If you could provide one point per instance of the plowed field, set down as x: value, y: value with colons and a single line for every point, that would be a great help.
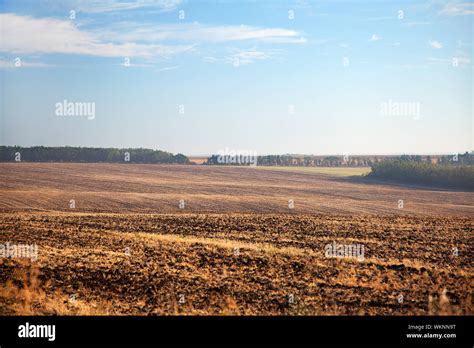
x: 126, y: 246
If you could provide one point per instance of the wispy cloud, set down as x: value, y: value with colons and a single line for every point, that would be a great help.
x: 166, y: 68
x: 101, y: 6
x: 435, y: 44
x: 455, y: 8
x: 130, y: 64
x: 244, y: 57
x: 238, y: 57
x: 10, y: 64
x: 463, y: 60
x: 199, y: 33
x: 28, y: 35
x: 210, y: 59
x: 459, y: 60
x: 375, y: 37
x: 414, y: 23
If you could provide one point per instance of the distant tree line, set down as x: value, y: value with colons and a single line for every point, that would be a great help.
x: 314, y: 161
x: 424, y: 173
x: 457, y: 159
x: 306, y: 161
x: 454, y: 159
x: 351, y: 161
x: 88, y: 154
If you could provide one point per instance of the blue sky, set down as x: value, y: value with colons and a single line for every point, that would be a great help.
x: 273, y: 77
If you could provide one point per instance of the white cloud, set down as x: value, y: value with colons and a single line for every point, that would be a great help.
x: 457, y: 60
x: 439, y: 60
x: 10, y: 64
x: 412, y: 24
x: 237, y: 57
x: 455, y: 8
x: 28, y: 35
x: 130, y: 64
x: 435, y: 44
x: 101, y: 6
x: 375, y: 37
x: 196, y: 32
x: 462, y: 60
x: 210, y: 59
x: 244, y: 57
x: 461, y: 57
x: 166, y: 68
